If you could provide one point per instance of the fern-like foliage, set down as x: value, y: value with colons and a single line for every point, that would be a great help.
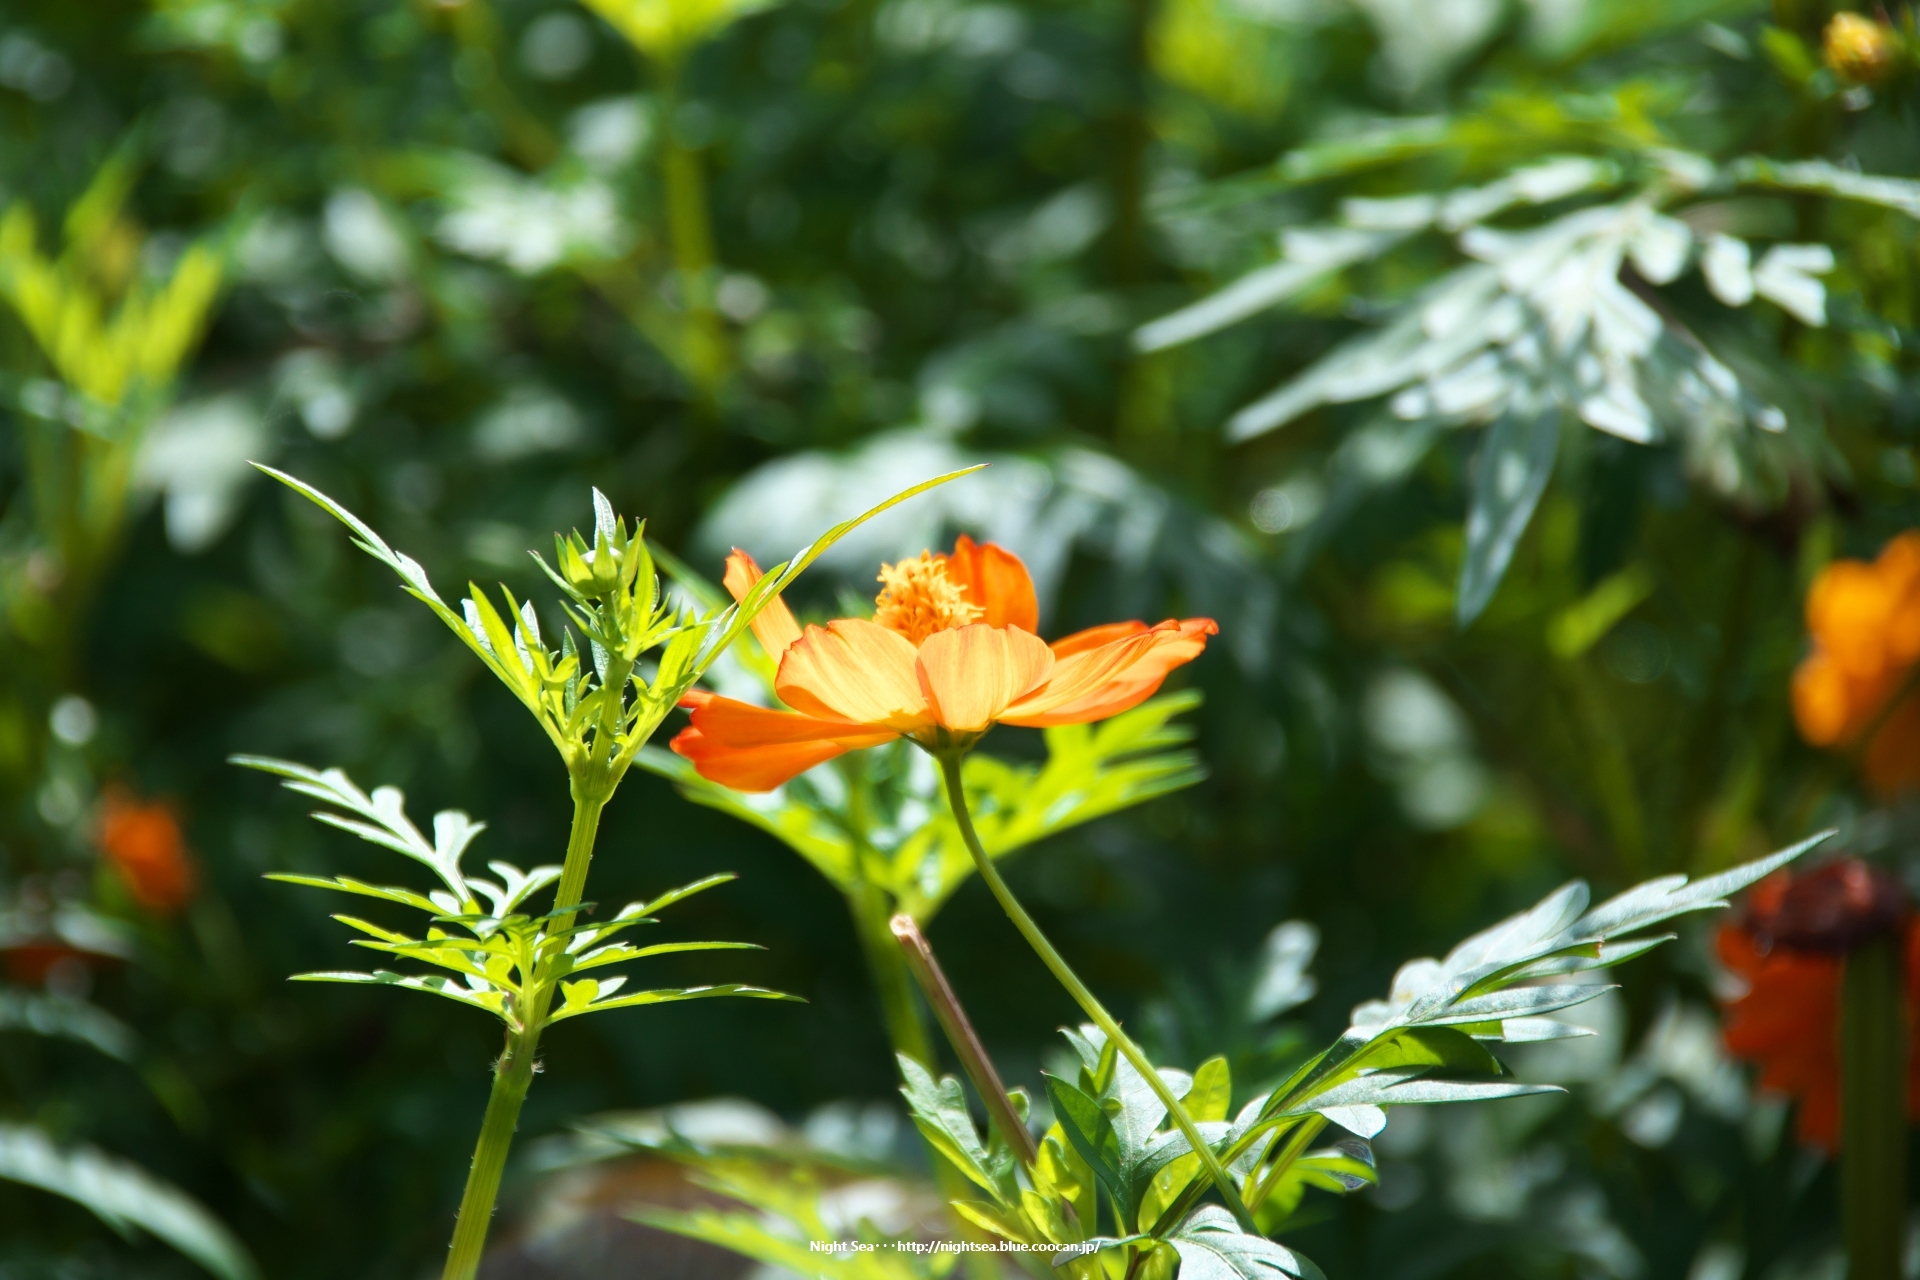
x: 493, y: 954
x: 591, y: 696
x: 1563, y: 306
x: 1114, y: 1180
x: 877, y: 817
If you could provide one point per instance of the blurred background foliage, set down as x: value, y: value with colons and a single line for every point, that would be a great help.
x: 747, y: 268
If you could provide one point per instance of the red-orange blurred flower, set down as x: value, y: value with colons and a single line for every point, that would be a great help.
x: 144, y: 845
x: 1788, y: 948
x: 1864, y: 620
x: 950, y: 652
x: 28, y: 961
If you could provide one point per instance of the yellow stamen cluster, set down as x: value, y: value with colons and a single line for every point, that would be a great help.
x: 918, y: 599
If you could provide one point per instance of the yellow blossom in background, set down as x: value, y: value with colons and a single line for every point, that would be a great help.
x: 1858, y: 49
x: 667, y: 30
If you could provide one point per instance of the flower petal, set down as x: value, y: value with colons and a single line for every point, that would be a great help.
x: 971, y: 674
x: 773, y: 626
x: 752, y: 748
x: 856, y: 671
x: 997, y: 580
x: 1094, y: 637
x: 1113, y: 677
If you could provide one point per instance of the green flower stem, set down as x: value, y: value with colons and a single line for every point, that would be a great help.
x: 514, y: 1072
x: 956, y: 798
x: 511, y: 1076
x: 1296, y: 1143
x: 1873, y: 1097
x: 588, y: 801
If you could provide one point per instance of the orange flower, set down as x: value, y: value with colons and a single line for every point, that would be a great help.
x: 950, y: 652
x: 144, y: 845
x: 1864, y: 620
x: 1788, y: 1019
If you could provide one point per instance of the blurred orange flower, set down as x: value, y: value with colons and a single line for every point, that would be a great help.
x: 950, y: 652
x: 1787, y: 949
x: 1864, y: 620
x: 143, y: 844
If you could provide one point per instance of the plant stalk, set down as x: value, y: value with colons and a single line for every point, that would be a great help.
x: 961, y: 1035
x: 1222, y: 1180
x: 907, y: 1036
x: 1873, y: 1105
x: 513, y: 1073
x: 511, y: 1077
x: 587, y: 804
x: 690, y: 227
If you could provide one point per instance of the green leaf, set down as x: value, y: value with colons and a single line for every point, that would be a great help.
x: 124, y: 1196
x: 1095, y: 1244
x: 1091, y: 771
x: 68, y: 1019
x: 433, y: 984
x: 939, y: 1110
x: 1092, y: 1134
x: 1212, y: 1247
x: 674, y: 995
x: 346, y: 884
x: 1519, y: 1002
x: 1399, y: 1086
x: 1512, y: 469
x: 1823, y: 178
x: 381, y: 818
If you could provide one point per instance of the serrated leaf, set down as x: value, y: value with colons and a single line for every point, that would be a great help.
x: 1212, y: 1247
x: 1518, y: 1002
x: 1400, y: 1086
x: 124, y: 1196
x: 939, y: 1110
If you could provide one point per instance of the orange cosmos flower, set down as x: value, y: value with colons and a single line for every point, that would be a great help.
x: 950, y: 652
x: 1864, y: 621
x: 1787, y: 949
x: 144, y: 845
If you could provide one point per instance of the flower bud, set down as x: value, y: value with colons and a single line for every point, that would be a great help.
x: 1858, y: 49
x: 592, y: 571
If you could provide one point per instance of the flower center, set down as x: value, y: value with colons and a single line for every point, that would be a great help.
x: 917, y: 599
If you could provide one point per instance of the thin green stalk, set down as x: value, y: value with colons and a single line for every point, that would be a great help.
x: 587, y: 804
x: 513, y: 1074
x: 1873, y: 1098
x: 511, y: 1077
x: 1296, y: 1143
x: 956, y: 798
